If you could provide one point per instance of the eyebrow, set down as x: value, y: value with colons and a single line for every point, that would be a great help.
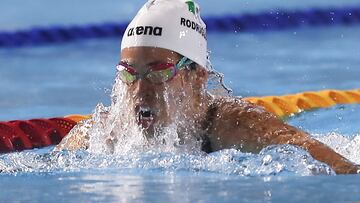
x: 148, y: 64
x: 125, y: 61
x: 155, y: 63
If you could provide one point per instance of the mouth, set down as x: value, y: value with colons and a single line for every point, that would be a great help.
x: 145, y: 117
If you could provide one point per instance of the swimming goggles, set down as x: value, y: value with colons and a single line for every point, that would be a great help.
x: 157, y: 74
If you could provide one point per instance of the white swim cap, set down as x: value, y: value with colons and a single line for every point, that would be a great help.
x: 170, y: 24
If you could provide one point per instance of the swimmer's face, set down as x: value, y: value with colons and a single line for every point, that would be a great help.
x: 158, y: 104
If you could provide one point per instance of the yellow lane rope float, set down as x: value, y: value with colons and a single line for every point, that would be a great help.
x: 77, y: 117
x: 287, y: 105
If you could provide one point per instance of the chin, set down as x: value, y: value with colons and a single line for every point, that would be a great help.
x: 153, y: 126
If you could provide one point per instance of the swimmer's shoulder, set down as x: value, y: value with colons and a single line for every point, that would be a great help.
x: 238, y: 123
x: 78, y: 137
x: 236, y: 108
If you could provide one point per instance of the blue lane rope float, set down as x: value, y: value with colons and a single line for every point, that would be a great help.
x: 266, y: 21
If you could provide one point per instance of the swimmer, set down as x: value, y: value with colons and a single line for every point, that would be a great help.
x: 164, y: 68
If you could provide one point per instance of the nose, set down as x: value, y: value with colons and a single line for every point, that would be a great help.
x: 143, y: 89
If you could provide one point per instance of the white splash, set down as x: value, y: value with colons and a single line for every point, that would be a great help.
x: 115, y: 130
x: 349, y: 147
x: 281, y: 160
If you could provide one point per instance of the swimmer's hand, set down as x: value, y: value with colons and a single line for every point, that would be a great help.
x: 348, y: 169
x: 250, y: 128
x: 77, y: 138
x: 357, y: 169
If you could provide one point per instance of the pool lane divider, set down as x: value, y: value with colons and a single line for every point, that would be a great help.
x: 289, y: 105
x: 266, y: 21
x: 21, y: 135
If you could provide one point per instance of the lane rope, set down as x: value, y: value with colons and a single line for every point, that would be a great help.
x: 20, y: 135
x: 288, y: 105
x: 36, y: 133
x: 265, y: 21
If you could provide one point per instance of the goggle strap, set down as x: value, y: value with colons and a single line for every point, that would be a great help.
x: 188, y: 62
x: 183, y: 62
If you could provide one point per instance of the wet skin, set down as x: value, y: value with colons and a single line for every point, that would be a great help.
x: 167, y: 99
x: 226, y: 122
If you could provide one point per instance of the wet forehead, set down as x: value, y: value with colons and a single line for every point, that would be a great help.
x: 143, y: 56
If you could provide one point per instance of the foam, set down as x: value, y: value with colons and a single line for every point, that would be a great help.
x: 349, y: 147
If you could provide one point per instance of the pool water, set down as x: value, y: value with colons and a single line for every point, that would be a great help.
x: 141, y: 186
x: 48, y: 81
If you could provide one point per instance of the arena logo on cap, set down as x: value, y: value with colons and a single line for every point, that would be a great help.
x: 145, y: 30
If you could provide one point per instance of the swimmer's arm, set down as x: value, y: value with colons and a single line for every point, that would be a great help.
x: 77, y: 138
x: 318, y: 150
x: 247, y: 127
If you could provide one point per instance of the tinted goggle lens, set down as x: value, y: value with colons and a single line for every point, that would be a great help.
x: 125, y: 73
x: 161, y: 73
x: 157, y: 74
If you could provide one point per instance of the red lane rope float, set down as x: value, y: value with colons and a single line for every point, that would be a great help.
x: 36, y: 133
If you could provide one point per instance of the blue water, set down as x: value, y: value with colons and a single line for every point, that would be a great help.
x: 139, y: 186
x: 72, y: 78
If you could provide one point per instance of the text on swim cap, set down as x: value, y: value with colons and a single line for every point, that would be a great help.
x: 193, y: 25
x: 145, y: 30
